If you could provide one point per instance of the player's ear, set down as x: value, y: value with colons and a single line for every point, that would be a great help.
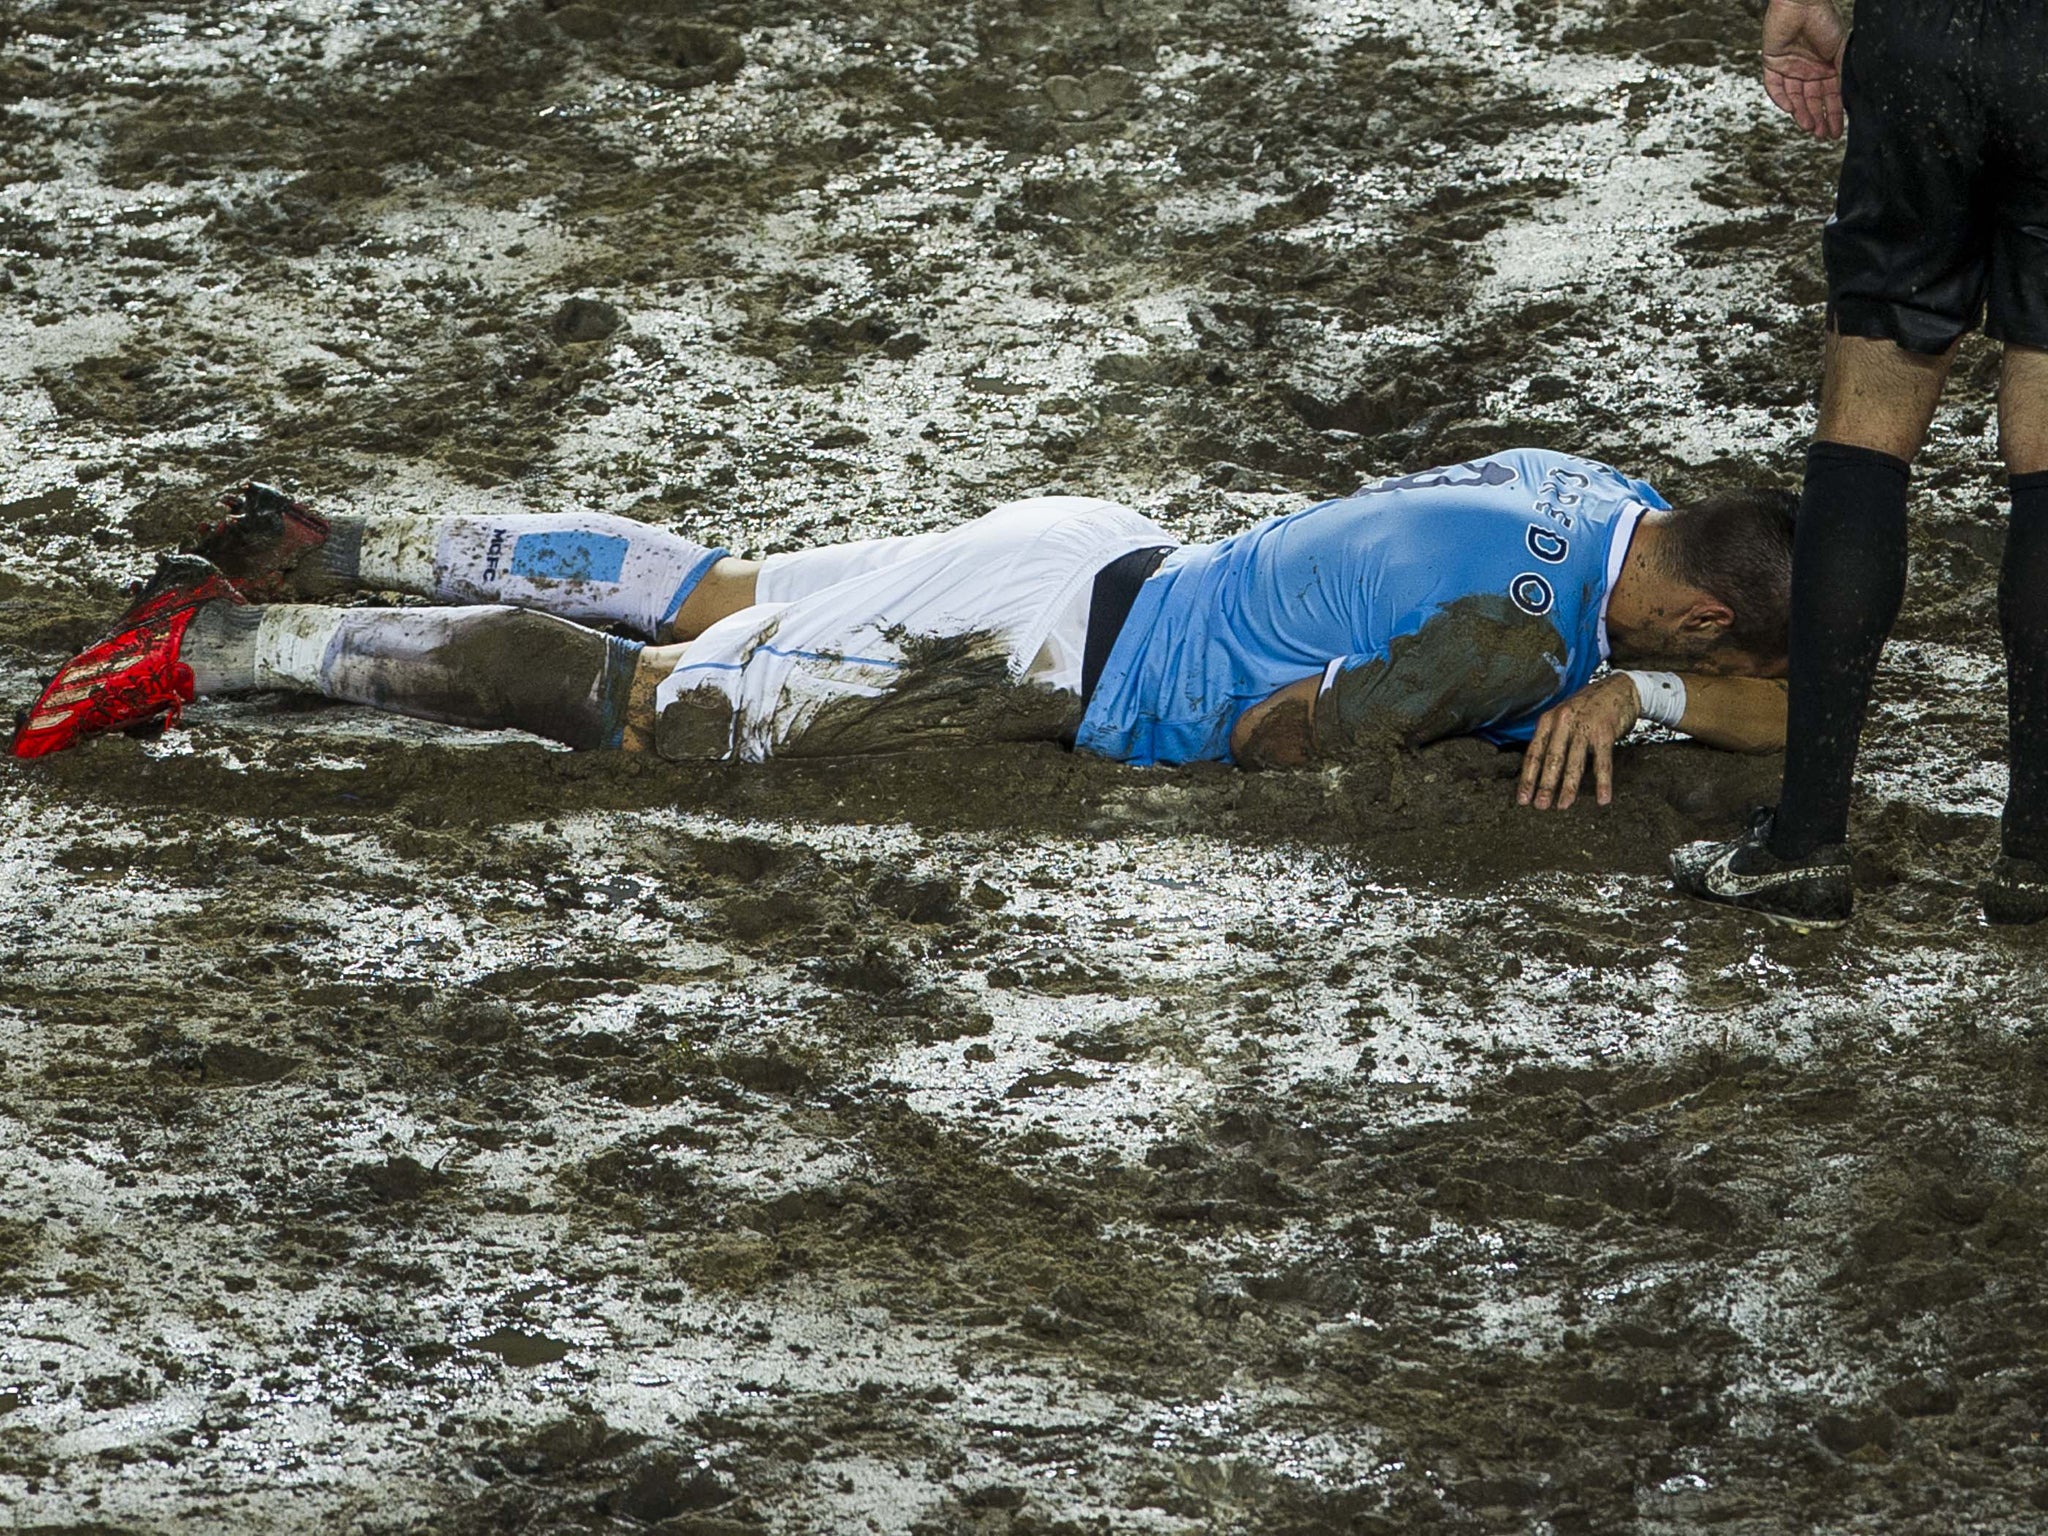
x: 1708, y: 619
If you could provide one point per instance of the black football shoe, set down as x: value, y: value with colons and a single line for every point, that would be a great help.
x: 1815, y: 892
x: 2015, y: 892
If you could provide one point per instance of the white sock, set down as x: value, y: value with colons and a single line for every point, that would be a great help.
x: 292, y: 645
x: 589, y: 567
x: 396, y: 554
x: 220, y: 648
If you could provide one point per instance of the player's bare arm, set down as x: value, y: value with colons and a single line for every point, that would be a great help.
x: 1733, y: 713
x: 1279, y: 731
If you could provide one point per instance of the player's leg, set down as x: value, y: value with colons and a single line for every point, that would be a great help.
x: 2023, y: 409
x: 723, y: 590
x: 650, y: 669
x: 2018, y: 888
x: 1848, y: 571
x: 190, y: 634
x: 591, y: 567
x: 732, y: 584
x: 2017, y: 314
x: 486, y: 667
x: 1877, y: 396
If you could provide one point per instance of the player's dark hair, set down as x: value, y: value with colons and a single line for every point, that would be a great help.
x: 1737, y: 547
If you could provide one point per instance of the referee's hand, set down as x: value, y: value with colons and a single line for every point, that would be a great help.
x: 1572, y: 736
x: 1803, y: 43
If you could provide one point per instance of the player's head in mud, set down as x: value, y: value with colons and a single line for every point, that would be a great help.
x: 1707, y: 587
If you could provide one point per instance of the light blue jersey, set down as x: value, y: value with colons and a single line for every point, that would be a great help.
x: 1534, y: 538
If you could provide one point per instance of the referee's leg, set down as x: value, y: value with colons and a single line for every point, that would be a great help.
x: 1848, y: 571
x: 2023, y: 411
x: 1877, y: 395
x: 2023, y: 600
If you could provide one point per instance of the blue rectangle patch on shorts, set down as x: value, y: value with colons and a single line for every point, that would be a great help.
x: 569, y: 556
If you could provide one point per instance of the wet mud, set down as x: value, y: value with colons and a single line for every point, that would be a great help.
x: 404, y: 1129
x: 953, y: 691
x: 1479, y: 660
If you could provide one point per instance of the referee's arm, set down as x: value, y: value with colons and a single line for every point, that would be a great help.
x: 1803, y: 44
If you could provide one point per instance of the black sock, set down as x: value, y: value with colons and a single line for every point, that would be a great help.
x: 1848, y: 579
x: 2023, y: 620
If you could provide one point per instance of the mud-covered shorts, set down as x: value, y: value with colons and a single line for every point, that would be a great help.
x: 1943, y: 204
x: 852, y: 625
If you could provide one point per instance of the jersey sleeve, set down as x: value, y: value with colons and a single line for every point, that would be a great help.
x: 1478, y: 667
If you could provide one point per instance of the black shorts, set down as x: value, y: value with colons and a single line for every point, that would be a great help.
x: 1943, y: 204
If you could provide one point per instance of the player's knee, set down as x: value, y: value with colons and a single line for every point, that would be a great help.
x: 551, y: 677
x: 725, y: 589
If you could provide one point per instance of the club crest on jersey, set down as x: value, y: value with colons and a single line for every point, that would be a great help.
x: 1532, y: 594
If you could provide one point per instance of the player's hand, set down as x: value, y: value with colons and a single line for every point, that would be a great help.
x: 1581, y: 730
x: 1803, y: 43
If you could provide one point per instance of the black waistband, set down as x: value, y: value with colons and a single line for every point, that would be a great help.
x: 1116, y: 589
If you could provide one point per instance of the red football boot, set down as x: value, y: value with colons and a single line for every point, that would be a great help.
x: 133, y: 677
x: 261, y: 540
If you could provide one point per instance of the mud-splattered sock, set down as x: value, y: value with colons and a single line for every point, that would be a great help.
x: 1848, y: 579
x: 490, y: 667
x: 588, y: 567
x: 2023, y: 620
x: 220, y: 648
x: 333, y: 565
x: 396, y: 553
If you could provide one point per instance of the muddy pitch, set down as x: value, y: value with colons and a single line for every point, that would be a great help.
x: 405, y: 1130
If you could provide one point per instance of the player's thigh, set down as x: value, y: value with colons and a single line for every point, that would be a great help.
x: 654, y: 664
x: 725, y: 589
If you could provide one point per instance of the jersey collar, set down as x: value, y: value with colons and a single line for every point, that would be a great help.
x: 1618, y: 541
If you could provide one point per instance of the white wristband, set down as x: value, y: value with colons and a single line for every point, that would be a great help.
x: 1660, y: 696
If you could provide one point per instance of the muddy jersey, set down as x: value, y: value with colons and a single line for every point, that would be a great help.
x: 1464, y: 600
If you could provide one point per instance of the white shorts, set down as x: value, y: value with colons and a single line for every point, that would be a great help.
x: 832, y: 624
